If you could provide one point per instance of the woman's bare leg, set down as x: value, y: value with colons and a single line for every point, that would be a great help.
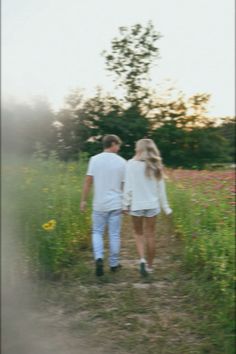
x: 138, y: 234
x: 150, y: 233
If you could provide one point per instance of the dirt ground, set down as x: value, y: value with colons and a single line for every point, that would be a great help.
x: 28, y: 324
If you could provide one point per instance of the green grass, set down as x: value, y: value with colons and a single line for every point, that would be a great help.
x: 186, y: 308
x: 40, y: 191
x: 203, y: 204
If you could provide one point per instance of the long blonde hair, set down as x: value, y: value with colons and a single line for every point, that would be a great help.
x: 149, y: 153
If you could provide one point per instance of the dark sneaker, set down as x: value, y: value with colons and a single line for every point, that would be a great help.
x: 143, y: 270
x: 116, y: 268
x: 99, y: 267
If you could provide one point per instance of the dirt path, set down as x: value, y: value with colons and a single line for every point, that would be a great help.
x: 120, y: 313
x: 31, y: 323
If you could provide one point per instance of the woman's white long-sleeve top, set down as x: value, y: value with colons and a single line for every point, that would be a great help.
x: 142, y: 192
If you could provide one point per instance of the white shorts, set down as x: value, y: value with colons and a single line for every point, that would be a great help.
x: 148, y: 213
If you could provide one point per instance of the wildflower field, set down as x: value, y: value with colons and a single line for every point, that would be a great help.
x: 204, y: 205
x: 204, y: 217
x: 56, y: 235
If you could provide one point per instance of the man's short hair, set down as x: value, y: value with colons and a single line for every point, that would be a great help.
x: 108, y: 140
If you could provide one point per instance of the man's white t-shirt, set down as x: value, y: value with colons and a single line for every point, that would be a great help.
x: 108, y: 171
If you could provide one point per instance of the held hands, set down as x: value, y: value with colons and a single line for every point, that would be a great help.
x: 125, y: 211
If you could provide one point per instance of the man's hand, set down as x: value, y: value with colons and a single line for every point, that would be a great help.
x: 125, y: 211
x: 83, y: 206
x: 87, y: 185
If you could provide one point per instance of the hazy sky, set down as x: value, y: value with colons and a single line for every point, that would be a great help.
x: 52, y: 46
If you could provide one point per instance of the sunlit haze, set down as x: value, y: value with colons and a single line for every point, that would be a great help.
x: 52, y: 46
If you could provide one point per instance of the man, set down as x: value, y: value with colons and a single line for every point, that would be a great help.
x: 106, y: 171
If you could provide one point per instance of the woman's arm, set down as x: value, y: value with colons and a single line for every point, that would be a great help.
x: 163, y: 197
x: 127, y: 194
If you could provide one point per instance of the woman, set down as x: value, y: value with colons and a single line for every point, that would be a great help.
x: 144, y: 196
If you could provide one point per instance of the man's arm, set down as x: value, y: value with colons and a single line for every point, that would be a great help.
x: 86, y: 189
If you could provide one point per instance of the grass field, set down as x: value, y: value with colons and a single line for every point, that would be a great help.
x: 186, y: 307
x: 46, y: 211
x: 204, y: 206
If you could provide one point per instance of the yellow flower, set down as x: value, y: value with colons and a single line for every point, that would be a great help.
x: 46, y: 227
x: 50, y: 225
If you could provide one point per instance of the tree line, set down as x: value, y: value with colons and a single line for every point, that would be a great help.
x: 180, y: 126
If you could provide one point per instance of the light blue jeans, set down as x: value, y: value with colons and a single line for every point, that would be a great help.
x: 112, y: 219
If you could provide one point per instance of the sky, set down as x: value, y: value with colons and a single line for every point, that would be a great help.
x: 50, y: 47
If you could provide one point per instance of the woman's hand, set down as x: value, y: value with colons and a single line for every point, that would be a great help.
x: 168, y: 211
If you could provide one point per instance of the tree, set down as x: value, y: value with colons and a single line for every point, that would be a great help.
x: 176, y: 109
x: 227, y: 131
x: 74, y: 128
x: 24, y: 125
x: 205, y: 146
x: 43, y: 129
x: 107, y: 115
x: 190, y: 148
x: 131, y: 57
x: 128, y: 125
x: 197, y: 112
x: 17, y: 132
x: 171, y: 141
